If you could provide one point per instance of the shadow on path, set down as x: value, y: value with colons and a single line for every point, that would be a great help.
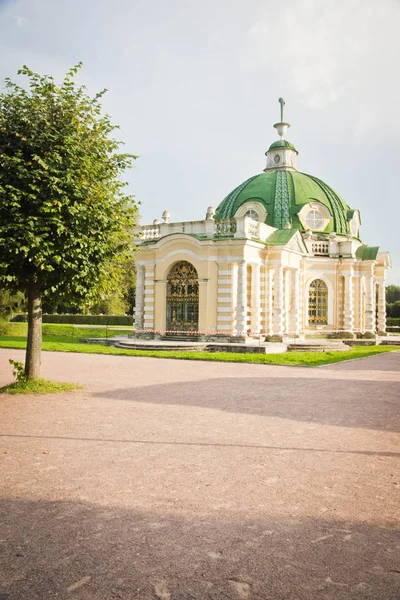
x: 354, y: 403
x: 201, y: 444
x: 84, y: 551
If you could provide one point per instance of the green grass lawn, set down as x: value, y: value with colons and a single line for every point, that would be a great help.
x: 310, y: 359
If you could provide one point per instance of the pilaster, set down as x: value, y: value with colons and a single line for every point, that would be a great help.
x: 255, y: 295
x: 268, y: 300
x: 278, y: 310
x: 241, y: 306
x: 348, y: 312
x: 225, y: 316
x: 370, y: 301
x: 139, y: 300
x: 148, y: 321
x: 295, y: 307
x: 381, y: 306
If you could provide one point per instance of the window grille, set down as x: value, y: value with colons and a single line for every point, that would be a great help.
x: 318, y: 303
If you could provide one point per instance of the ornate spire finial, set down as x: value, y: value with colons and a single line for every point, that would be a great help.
x: 282, y: 127
x: 282, y: 103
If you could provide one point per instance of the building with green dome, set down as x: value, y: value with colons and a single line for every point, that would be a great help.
x: 281, y: 256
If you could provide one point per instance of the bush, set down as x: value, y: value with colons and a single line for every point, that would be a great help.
x: 20, y: 318
x: 393, y: 322
x: 61, y: 330
x: 82, y: 319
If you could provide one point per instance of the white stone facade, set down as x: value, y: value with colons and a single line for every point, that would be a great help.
x: 280, y: 257
x: 250, y: 288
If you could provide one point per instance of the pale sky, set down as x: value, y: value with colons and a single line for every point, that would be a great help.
x: 195, y: 87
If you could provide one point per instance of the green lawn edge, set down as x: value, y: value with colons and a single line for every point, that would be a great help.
x: 310, y: 359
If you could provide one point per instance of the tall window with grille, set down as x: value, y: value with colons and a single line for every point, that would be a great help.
x: 182, y: 298
x: 318, y: 303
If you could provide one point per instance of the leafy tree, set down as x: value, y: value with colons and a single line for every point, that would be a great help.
x: 65, y: 219
x: 120, y: 301
x: 392, y: 293
x: 393, y: 309
x: 11, y: 303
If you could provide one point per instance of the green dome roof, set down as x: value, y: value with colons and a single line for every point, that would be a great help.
x: 283, y: 193
x: 282, y: 144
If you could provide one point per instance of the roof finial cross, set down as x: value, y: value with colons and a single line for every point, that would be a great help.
x: 282, y: 103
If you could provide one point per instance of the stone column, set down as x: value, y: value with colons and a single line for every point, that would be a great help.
x: 302, y: 301
x: 294, y: 322
x: 255, y: 295
x: 139, y: 300
x: 241, y: 307
x: 278, y: 310
x: 286, y: 300
x: 234, y: 298
x: 224, y: 300
x: 160, y: 300
x: 381, y: 306
x: 348, y: 311
x: 148, y: 321
x: 370, y: 318
x: 268, y: 310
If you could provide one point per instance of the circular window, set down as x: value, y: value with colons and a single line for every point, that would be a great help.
x: 277, y: 159
x: 253, y: 214
x: 314, y: 219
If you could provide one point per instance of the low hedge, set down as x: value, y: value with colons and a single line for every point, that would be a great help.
x: 393, y: 322
x: 104, y: 320
x: 63, y: 330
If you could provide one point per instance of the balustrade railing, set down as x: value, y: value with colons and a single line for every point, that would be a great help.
x: 321, y: 248
x: 225, y: 228
x: 151, y: 233
x: 220, y: 228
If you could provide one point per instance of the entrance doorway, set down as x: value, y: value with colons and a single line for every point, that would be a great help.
x: 183, y: 298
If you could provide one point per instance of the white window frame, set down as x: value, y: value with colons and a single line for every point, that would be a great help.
x: 307, y: 208
x: 252, y: 205
x: 329, y: 285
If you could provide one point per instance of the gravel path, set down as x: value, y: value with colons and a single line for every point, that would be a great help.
x: 178, y: 480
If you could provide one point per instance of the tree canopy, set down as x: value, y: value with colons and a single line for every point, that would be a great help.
x: 392, y: 293
x: 66, y: 221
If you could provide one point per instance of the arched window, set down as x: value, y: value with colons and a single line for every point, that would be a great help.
x: 253, y: 214
x: 318, y: 303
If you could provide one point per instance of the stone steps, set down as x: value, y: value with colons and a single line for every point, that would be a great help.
x: 186, y: 347
x: 318, y: 346
x: 180, y: 338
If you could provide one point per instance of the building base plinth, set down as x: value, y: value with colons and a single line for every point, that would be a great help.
x: 274, y: 338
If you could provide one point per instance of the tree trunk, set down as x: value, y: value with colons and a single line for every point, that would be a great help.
x: 34, y: 343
